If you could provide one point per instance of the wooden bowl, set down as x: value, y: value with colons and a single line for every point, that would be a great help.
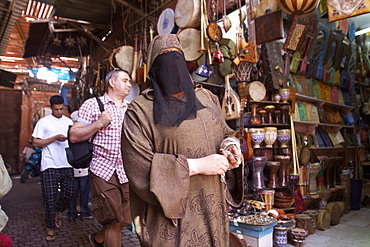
x: 280, y: 194
x: 283, y: 200
x: 283, y: 204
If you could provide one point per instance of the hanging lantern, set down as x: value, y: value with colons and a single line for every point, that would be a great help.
x: 298, y: 7
x: 46, y: 60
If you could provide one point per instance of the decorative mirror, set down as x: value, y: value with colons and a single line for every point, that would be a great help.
x: 320, y: 43
x: 345, y: 55
x: 316, y: 59
x: 308, y: 38
x: 332, y: 51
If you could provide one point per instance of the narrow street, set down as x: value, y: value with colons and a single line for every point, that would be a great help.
x: 26, y: 225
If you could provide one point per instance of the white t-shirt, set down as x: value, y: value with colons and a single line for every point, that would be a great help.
x: 53, y: 155
x: 28, y: 151
x: 82, y: 172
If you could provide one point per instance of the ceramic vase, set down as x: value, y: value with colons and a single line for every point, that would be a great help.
x: 280, y: 236
x: 276, y: 97
x: 258, y: 135
x: 284, y: 136
x: 270, y: 136
x: 273, y: 167
x: 255, y: 119
x: 256, y: 165
x: 283, y: 172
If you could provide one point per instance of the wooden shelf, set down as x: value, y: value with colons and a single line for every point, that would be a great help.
x: 267, y: 125
x: 336, y: 126
x: 322, y: 102
x: 338, y: 147
x: 305, y: 122
x: 266, y: 148
x: 268, y: 102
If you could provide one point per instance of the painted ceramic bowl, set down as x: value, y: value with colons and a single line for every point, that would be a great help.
x: 284, y: 94
x: 284, y: 136
x: 258, y: 135
x: 270, y: 136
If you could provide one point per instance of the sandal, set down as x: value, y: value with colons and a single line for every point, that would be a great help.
x: 58, y: 223
x: 50, y: 237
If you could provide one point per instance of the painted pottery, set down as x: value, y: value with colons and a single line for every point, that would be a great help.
x: 299, y: 236
x: 270, y: 136
x: 258, y: 135
x: 276, y: 97
x: 280, y: 236
x: 284, y: 94
x: 284, y: 137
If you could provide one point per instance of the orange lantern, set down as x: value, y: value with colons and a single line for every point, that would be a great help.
x: 298, y: 7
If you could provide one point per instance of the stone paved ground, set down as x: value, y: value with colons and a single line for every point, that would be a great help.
x: 26, y: 225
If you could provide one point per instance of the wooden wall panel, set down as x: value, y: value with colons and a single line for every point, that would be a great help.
x: 10, y: 121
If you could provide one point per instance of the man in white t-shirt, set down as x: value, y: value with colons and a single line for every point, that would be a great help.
x: 50, y: 134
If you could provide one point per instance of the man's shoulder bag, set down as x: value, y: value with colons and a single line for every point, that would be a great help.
x: 79, y: 154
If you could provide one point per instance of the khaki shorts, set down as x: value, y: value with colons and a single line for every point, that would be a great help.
x: 110, y: 200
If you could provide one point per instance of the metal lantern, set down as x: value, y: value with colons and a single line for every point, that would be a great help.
x: 298, y: 7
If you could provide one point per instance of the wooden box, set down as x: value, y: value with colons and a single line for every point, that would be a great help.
x: 252, y: 230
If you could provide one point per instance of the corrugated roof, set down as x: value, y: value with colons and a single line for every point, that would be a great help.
x: 10, y: 11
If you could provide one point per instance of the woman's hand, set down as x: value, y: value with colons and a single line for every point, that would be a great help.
x: 210, y: 165
x: 233, y: 155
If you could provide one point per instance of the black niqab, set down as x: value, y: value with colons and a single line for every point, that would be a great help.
x: 174, y: 96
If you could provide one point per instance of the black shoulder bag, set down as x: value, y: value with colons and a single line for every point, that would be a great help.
x: 79, y: 154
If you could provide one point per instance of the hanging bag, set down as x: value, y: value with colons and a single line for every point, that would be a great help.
x: 79, y: 154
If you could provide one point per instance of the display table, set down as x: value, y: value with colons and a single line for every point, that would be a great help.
x: 255, y: 235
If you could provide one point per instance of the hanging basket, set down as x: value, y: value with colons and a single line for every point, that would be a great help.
x: 298, y: 7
